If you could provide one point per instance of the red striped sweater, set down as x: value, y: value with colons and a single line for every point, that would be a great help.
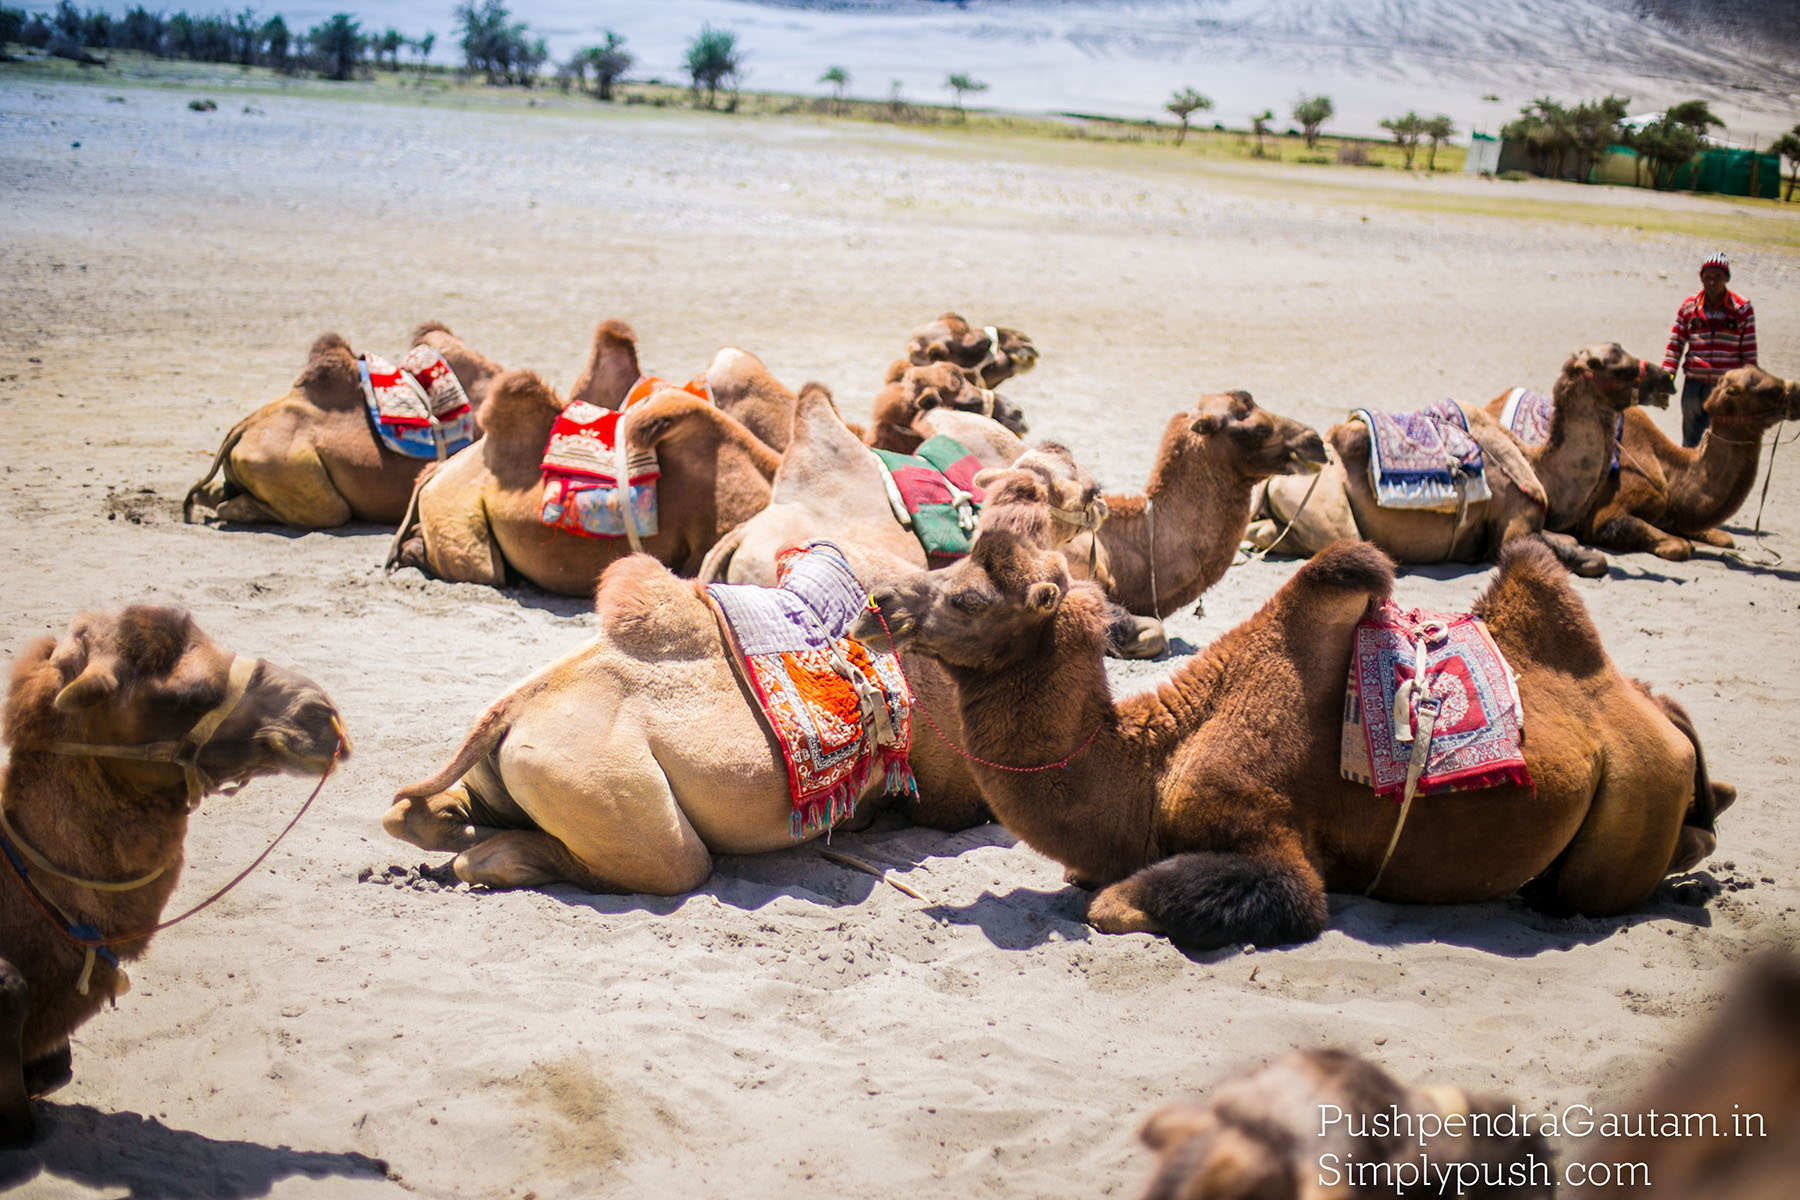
x: 1716, y: 340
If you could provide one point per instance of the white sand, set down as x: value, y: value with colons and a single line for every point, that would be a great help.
x: 793, y: 1029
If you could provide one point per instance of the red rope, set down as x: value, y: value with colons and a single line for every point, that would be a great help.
x: 1064, y: 761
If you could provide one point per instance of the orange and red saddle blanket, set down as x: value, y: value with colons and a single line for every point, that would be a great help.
x: 839, y: 708
x: 1436, y: 676
x: 594, y: 484
x: 419, y: 407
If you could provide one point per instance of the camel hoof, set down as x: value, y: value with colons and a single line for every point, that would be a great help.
x: 1137, y: 638
x: 1716, y: 538
x: 1678, y: 550
x: 44, y: 1075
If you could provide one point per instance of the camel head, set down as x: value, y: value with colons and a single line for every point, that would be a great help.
x: 988, y: 611
x: 1044, y: 496
x: 148, y: 675
x: 1263, y: 443
x: 1752, y: 396
x: 1615, y: 378
x: 994, y: 359
x: 946, y: 385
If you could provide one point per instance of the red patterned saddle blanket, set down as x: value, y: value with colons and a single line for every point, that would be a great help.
x: 1438, y: 677
x: 595, y: 485
x: 419, y: 408
x: 839, y: 708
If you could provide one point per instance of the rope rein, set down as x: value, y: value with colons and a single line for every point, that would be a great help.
x: 1062, y: 762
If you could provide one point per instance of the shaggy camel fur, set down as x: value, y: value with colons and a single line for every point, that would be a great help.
x: 737, y: 380
x: 1736, y: 1087
x: 311, y: 458
x: 911, y: 391
x: 477, y: 516
x: 1314, y: 1123
x: 1211, y: 809
x: 1595, y: 387
x: 1665, y: 498
x: 81, y: 819
x: 994, y: 356
x: 1535, y: 492
x: 1166, y: 546
x: 628, y: 763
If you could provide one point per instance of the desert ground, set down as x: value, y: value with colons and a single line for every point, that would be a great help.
x: 343, y: 1024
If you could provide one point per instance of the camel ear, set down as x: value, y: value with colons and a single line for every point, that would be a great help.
x: 1043, y: 597
x: 90, y: 687
x: 928, y: 396
x: 984, y: 478
x: 1207, y: 423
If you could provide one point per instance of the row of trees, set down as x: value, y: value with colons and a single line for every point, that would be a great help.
x: 1309, y: 112
x: 1557, y: 137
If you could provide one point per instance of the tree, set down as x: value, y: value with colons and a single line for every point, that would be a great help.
x: 1260, y: 124
x: 1183, y: 104
x: 1595, y: 126
x: 12, y: 27
x: 339, y: 43
x: 712, y: 61
x: 1437, y: 131
x: 607, y: 61
x: 1548, y: 131
x: 962, y: 84
x: 494, y: 43
x: 276, y: 41
x: 1674, y: 138
x: 1312, y: 112
x: 1788, y: 146
x: 422, y: 48
x: 388, y: 45
x: 1406, y: 130
x: 839, y: 79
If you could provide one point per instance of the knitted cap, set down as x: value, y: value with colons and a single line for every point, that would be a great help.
x: 1717, y: 259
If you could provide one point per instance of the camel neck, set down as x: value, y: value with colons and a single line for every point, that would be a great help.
x: 1191, y: 518
x: 1572, y: 463
x: 1720, y: 474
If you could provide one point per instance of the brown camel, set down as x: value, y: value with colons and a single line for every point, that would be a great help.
x: 478, y: 515
x: 1317, y: 1123
x: 737, y: 380
x: 1724, y: 1118
x: 1167, y: 545
x: 995, y: 355
x: 1211, y: 809
x: 912, y: 391
x: 1665, y: 498
x: 1596, y: 386
x: 117, y: 732
x: 311, y: 458
x: 1533, y: 493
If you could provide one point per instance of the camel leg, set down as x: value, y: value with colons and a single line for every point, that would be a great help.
x: 17, y: 1126
x: 1632, y: 835
x: 1579, y: 559
x: 1628, y: 535
x: 244, y: 509
x: 516, y: 858
x: 1207, y: 900
x: 1716, y: 538
x: 460, y: 817
x: 291, y: 483
x: 48, y: 1072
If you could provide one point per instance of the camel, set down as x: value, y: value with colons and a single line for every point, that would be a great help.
x: 1317, y: 1123
x: 1212, y: 810
x: 737, y: 381
x: 995, y: 355
x: 311, y: 458
x: 1535, y: 492
x: 478, y: 515
x: 117, y: 732
x: 913, y: 390
x: 1163, y: 547
x: 1666, y: 498
x: 628, y: 763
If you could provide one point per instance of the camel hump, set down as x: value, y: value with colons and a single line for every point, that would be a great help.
x: 1349, y: 566
x: 327, y: 343
x: 649, y: 612
x: 651, y: 421
x: 614, y: 330
x: 417, y: 336
x: 1534, y: 612
x: 329, y: 364
x: 519, y: 404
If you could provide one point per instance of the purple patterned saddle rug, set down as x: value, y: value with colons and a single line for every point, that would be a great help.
x: 1437, y: 676
x: 1423, y: 459
x: 1526, y: 415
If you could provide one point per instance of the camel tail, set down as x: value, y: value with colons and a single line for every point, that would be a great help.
x: 717, y: 562
x: 1704, y: 812
x: 232, y: 438
x: 1204, y: 901
x: 409, y: 521
x: 488, y: 733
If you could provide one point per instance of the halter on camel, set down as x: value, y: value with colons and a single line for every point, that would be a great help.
x: 995, y: 356
x: 184, y: 753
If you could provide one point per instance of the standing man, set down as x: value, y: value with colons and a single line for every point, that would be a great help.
x: 1718, y: 329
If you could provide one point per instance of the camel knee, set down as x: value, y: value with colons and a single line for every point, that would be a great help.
x: 17, y: 1126
x: 1204, y: 901
x: 439, y: 822
x: 1580, y: 560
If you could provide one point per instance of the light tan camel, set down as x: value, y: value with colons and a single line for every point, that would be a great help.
x: 1556, y: 480
x: 1665, y: 498
x: 913, y: 390
x: 477, y: 516
x: 1165, y: 546
x: 312, y: 458
x: 1596, y: 386
x: 1319, y: 1123
x: 1212, y: 810
x: 737, y: 380
x: 995, y: 355
x: 96, y: 808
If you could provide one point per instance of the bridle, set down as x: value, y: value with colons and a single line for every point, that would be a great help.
x: 185, y: 753
x: 1088, y: 520
x: 995, y: 356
